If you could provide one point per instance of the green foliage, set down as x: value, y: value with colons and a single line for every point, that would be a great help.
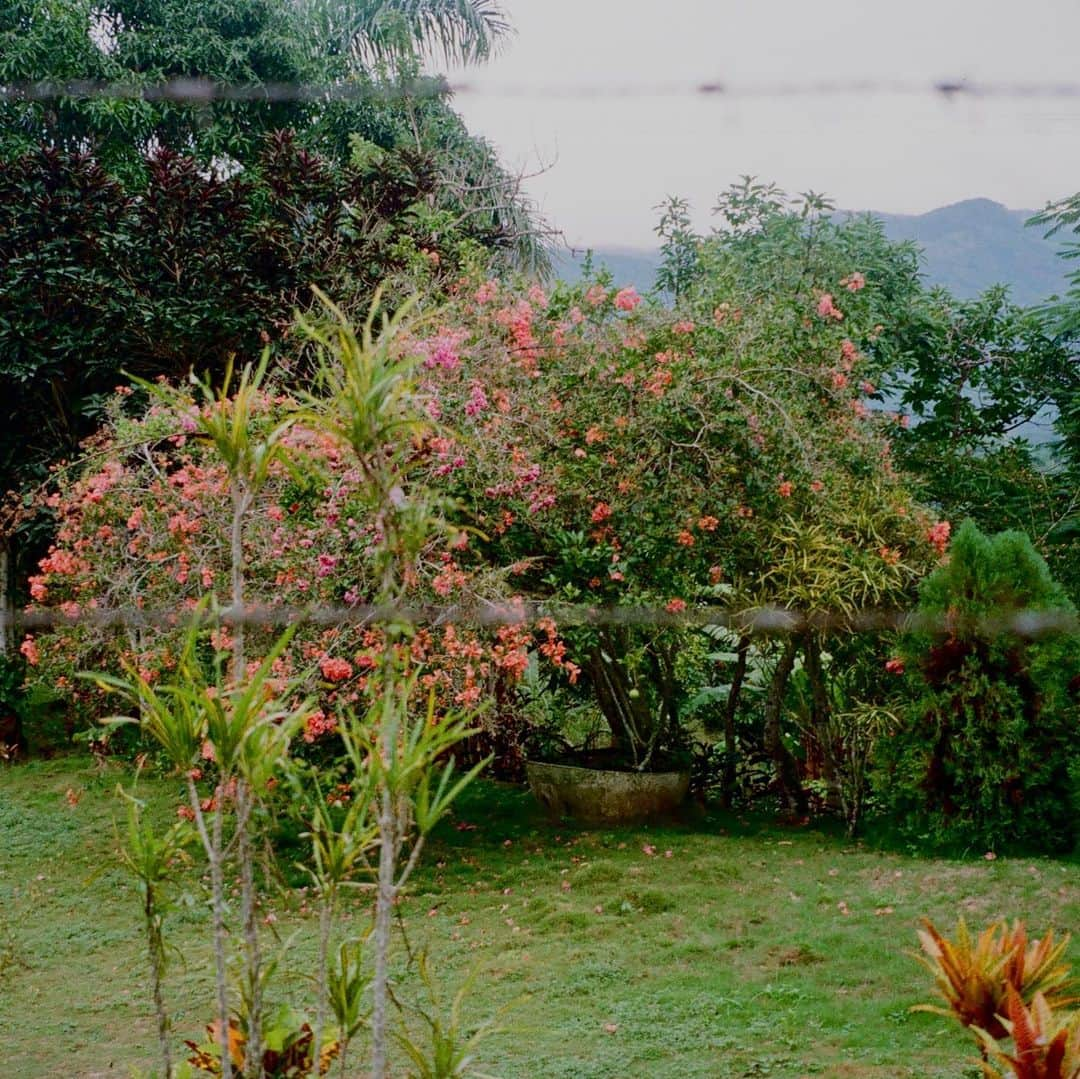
x: 182, y: 270
x: 984, y: 751
x: 978, y: 377
x: 141, y: 43
x: 447, y: 1047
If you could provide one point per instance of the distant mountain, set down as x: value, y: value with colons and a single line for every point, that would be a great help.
x: 967, y: 247
x: 628, y: 266
x: 971, y: 245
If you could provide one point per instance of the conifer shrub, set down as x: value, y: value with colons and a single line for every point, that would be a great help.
x: 986, y: 756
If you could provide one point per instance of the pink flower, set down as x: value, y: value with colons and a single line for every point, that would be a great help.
x: 626, y: 299
x: 894, y: 665
x: 477, y: 402
x: 595, y: 295
x: 30, y: 652
x: 675, y: 606
x: 826, y: 308
x: 487, y: 291
x: 854, y: 282
x: 839, y: 380
x: 537, y: 296
x: 683, y: 326
x: 318, y: 724
x: 785, y: 488
x: 601, y: 512
x: 938, y: 535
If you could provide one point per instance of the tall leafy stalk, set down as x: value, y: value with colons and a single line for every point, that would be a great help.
x: 370, y: 405
x: 226, y: 419
x: 246, y: 729
x: 150, y: 857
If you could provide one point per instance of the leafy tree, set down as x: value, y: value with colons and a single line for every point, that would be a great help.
x: 151, y: 235
x: 791, y: 267
x: 974, y: 375
x: 985, y: 755
x: 190, y: 270
x: 143, y: 43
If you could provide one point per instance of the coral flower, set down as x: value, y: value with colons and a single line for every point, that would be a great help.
x: 827, y: 309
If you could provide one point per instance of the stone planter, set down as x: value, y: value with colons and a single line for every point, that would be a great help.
x: 598, y: 796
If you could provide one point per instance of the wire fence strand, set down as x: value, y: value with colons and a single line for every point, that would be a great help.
x: 749, y: 621
x: 198, y: 91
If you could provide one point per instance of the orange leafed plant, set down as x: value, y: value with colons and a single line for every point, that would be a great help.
x: 1046, y: 1044
x: 976, y: 976
x: 288, y: 1051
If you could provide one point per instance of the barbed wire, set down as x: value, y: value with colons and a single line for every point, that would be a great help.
x: 198, y: 91
x: 763, y: 621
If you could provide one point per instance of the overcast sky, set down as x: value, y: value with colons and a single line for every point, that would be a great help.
x: 613, y: 159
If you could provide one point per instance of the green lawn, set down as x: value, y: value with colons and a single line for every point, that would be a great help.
x: 749, y: 951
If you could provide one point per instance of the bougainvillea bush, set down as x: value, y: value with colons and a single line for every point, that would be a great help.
x: 602, y: 452
x: 146, y: 527
x: 620, y: 455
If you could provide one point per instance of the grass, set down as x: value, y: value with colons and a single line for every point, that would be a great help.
x: 751, y: 950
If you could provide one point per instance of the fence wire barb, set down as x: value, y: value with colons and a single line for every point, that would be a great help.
x: 765, y: 621
x: 197, y: 91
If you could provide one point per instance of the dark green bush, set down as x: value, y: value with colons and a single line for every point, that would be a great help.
x: 986, y: 751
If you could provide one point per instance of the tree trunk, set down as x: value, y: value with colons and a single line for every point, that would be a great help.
x: 820, y: 714
x: 384, y: 909
x: 7, y: 597
x: 787, y: 772
x: 625, y: 708
x: 731, y: 710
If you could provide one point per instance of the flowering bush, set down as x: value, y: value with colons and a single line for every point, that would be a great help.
x: 614, y: 453
x: 143, y: 527
x: 611, y: 453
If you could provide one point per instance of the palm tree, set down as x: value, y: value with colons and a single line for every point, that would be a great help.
x: 372, y: 32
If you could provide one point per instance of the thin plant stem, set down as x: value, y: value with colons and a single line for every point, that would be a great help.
x: 211, y: 841
x: 326, y: 921
x: 384, y: 908
x: 253, y: 956
x: 155, y: 946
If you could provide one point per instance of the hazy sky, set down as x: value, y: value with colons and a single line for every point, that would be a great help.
x: 612, y: 160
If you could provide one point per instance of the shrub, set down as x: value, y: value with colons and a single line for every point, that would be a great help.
x: 976, y: 977
x: 983, y: 752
